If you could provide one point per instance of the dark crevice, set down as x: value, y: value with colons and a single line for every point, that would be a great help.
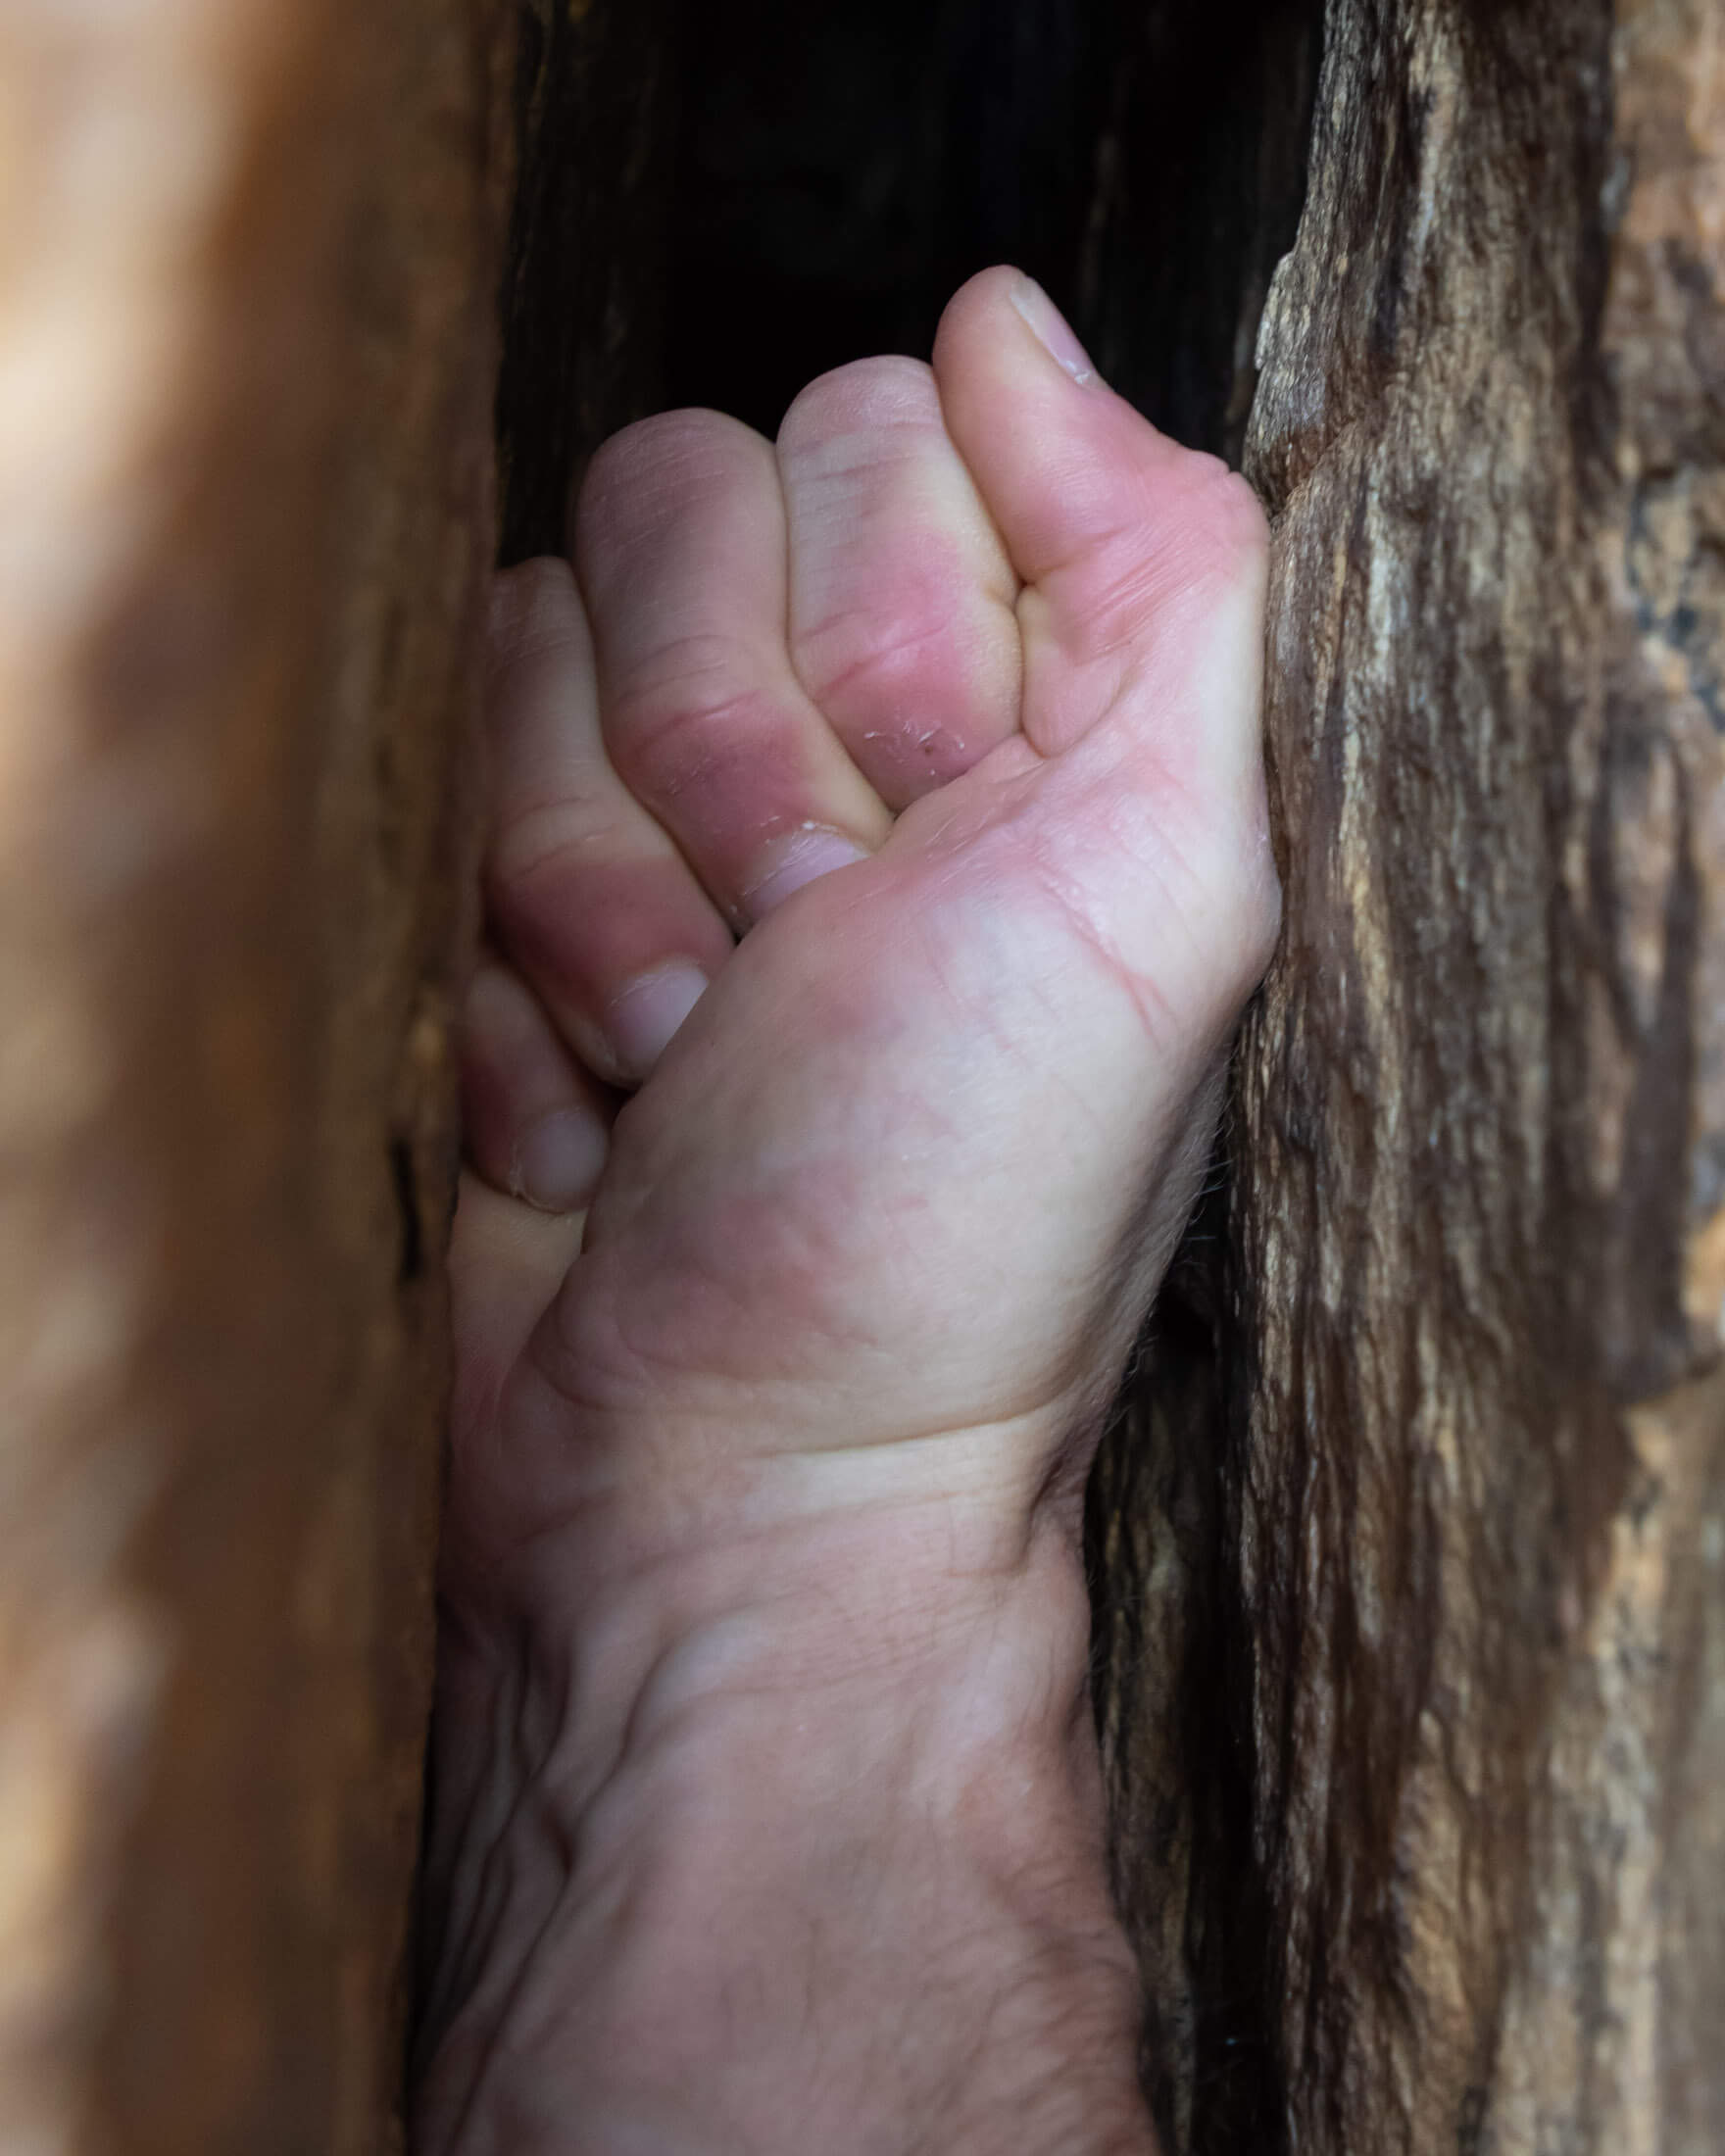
x: 411, y: 1237
x: 717, y: 204
x: 842, y: 169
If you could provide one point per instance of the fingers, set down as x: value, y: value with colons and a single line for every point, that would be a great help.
x: 508, y: 1261
x: 705, y: 782
x: 902, y: 597
x: 536, y: 1125
x: 680, y: 546
x: 1141, y: 558
x: 1144, y: 567
x: 586, y: 893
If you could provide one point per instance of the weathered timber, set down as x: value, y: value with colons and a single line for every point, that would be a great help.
x: 246, y: 363
x: 1473, y: 1484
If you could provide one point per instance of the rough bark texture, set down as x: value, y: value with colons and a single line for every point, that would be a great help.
x: 1456, y: 1688
x: 245, y: 382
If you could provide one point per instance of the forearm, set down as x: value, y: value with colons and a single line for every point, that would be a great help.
x: 796, y: 1783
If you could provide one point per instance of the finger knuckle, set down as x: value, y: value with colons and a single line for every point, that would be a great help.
x: 885, y: 394
x: 643, y: 477
x: 533, y: 607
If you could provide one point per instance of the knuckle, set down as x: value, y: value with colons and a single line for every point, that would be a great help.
x: 620, y: 459
x: 531, y: 586
x: 876, y: 393
x: 532, y: 603
x: 663, y: 438
x: 536, y: 618
x: 644, y: 474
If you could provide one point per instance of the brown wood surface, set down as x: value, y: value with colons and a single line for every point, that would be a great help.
x: 1424, y: 1837
x: 246, y: 365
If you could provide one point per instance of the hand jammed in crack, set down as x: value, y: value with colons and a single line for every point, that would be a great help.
x: 879, y: 814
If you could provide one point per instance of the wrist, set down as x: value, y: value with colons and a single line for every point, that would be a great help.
x: 961, y: 1647
x: 764, y: 1745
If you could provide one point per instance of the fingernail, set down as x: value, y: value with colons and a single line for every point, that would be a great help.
x: 1052, y: 330
x: 793, y: 861
x: 558, y: 1161
x: 647, y: 1014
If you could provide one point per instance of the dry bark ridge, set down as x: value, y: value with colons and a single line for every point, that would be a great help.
x: 245, y: 379
x: 1466, y: 1554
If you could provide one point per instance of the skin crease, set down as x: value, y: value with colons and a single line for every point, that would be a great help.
x: 878, y: 868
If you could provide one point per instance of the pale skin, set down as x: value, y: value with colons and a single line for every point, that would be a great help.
x: 879, y: 816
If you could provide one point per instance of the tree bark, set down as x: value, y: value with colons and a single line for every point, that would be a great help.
x: 246, y: 363
x: 1456, y: 1690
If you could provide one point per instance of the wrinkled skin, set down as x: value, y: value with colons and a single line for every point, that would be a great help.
x: 879, y: 817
